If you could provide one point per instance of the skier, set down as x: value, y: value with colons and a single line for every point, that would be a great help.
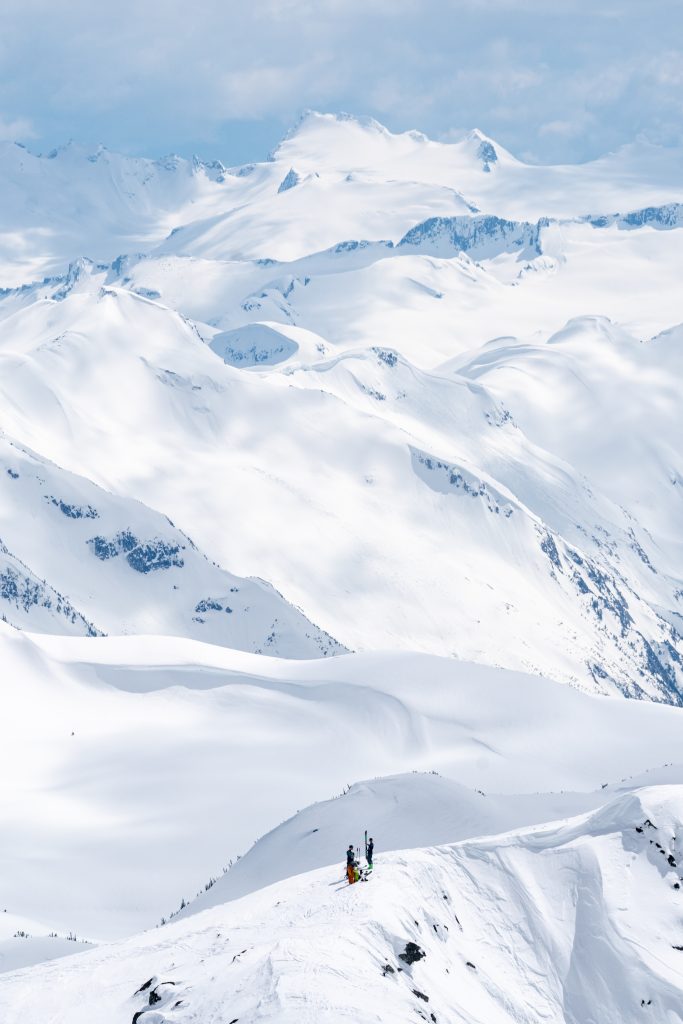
x: 350, y: 858
x: 356, y: 871
x: 369, y: 852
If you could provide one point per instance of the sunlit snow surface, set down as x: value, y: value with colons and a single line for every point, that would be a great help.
x: 413, y: 400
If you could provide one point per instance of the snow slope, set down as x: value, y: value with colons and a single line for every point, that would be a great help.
x: 125, y: 569
x: 433, y: 306
x: 575, y: 921
x: 641, y: 174
x: 353, y: 451
x: 370, y: 183
x: 641, y: 406
x: 24, y: 942
x: 400, y: 812
x: 72, y: 202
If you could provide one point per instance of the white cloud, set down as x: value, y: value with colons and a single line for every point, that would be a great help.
x: 567, y: 129
x: 15, y: 129
x: 253, y: 92
x: 666, y: 69
x: 570, y: 78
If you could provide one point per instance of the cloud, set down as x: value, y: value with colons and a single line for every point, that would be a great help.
x: 262, y: 90
x: 15, y: 129
x: 568, y: 79
x: 568, y: 129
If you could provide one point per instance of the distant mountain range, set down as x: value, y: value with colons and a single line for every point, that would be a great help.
x: 425, y: 390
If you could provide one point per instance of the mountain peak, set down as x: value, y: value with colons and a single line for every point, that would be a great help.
x: 312, y: 119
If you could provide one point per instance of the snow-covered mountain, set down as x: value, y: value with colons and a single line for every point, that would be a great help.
x: 303, y: 372
x: 414, y: 400
x: 352, y: 450
x: 365, y: 181
x: 126, y: 568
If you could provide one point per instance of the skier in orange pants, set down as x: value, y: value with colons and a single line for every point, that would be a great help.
x: 350, y: 858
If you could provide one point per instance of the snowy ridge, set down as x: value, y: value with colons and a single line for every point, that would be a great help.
x: 489, y: 236
x: 406, y: 811
x: 549, y: 922
x: 484, y: 237
x: 109, y: 203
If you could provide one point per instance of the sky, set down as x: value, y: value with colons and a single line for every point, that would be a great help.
x: 553, y: 81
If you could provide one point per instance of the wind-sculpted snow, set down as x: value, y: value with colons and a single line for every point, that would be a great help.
x: 403, y: 811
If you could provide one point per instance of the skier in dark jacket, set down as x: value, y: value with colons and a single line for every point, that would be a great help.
x: 350, y: 858
x: 370, y: 851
